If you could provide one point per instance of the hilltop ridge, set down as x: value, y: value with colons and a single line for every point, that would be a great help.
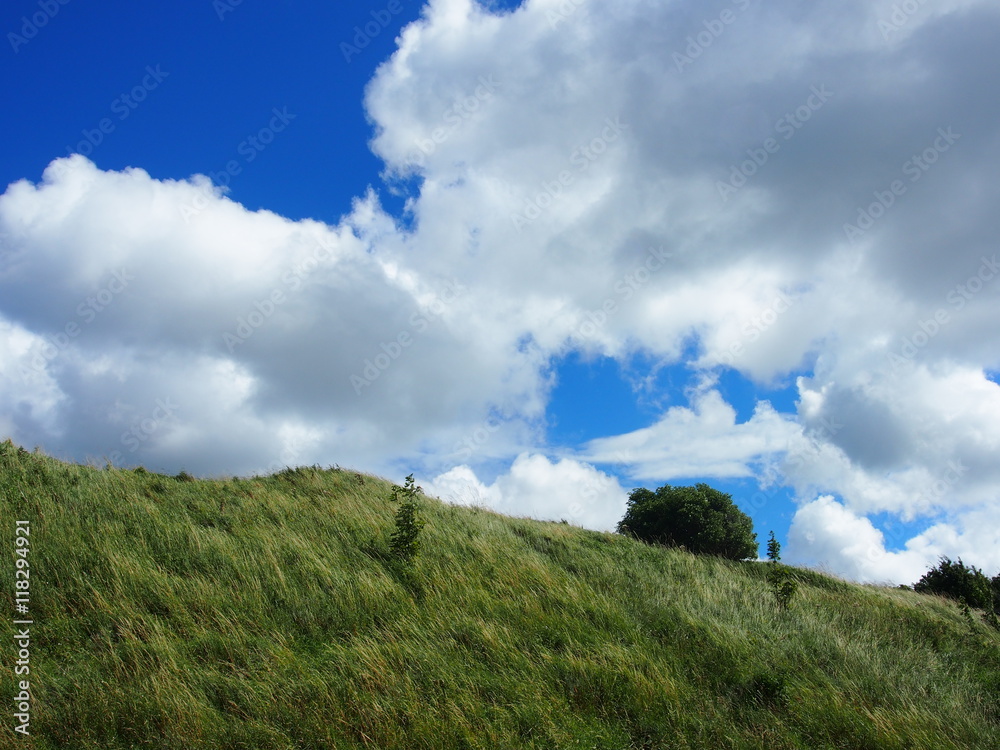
x: 265, y: 613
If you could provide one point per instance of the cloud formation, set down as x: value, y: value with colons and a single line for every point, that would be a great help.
x: 704, y: 440
x: 788, y: 190
x: 535, y: 486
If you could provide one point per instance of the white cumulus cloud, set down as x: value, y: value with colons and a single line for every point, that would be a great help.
x: 808, y: 193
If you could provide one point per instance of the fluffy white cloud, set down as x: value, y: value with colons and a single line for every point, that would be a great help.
x: 120, y: 291
x: 827, y: 534
x: 538, y: 487
x: 913, y: 441
x: 799, y: 189
x: 704, y: 440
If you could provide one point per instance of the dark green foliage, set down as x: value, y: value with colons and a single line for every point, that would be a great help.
x: 993, y: 621
x: 782, y: 583
x: 767, y: 689
x: 965, y: 583
x: 404, y: 543
x: 773, y: 549
x: 784, y: 589
x: 699, y: 518
x: 969, y: 618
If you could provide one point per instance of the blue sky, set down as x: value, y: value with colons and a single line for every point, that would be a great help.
x: 536, y: 253
x: 224, y: 76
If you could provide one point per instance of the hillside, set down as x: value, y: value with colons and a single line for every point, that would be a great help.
x: 262, y: 613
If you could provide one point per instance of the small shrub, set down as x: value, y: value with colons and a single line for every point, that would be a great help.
x: 404, y: 542
x: 782, y: 584
x: 969, y: 619
x: 780, y: 578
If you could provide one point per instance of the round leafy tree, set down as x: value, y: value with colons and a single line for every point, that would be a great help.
x: 968, y: 584
x: 700, y: 518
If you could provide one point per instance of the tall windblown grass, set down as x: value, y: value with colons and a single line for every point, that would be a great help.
x: 265, y: 613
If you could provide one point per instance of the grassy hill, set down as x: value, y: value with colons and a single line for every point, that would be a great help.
x: 263, y: 613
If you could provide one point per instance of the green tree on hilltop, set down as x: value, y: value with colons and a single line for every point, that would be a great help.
x: 700, y: 518
x: 773, y: 549
x: 967, y: 584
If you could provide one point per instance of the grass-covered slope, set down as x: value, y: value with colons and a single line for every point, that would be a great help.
x: 261, y: 613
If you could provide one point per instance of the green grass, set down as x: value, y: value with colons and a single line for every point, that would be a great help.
x: 264, y: 613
